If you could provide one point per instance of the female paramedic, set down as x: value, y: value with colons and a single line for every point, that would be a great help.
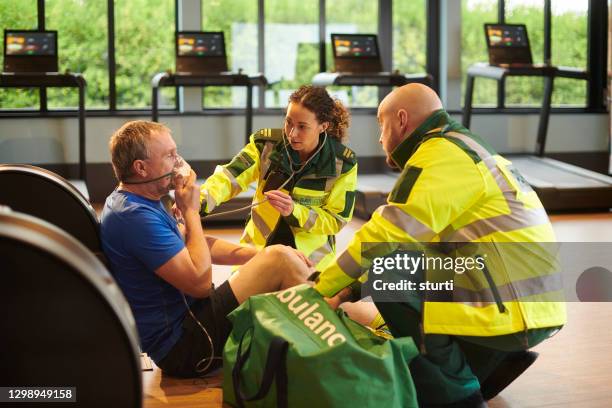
x: 305, y: 178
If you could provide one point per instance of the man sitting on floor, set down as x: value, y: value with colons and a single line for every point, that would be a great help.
x: 166, y: 273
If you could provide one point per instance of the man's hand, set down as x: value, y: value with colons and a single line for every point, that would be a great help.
x: 282, y: 202
x: 343, y: 296
x: 187, y: 194
x: 180, y: 221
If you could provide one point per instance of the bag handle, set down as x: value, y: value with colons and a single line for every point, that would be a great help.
x: 275, y: 369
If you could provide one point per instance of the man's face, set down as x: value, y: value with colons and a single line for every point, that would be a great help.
x: 390, y: 133
x: 162, y: 160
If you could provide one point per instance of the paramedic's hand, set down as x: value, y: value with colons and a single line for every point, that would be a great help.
x: 343, y: 296
x: 304, y: 258
x: 187, y: 193
x: 282, y: 202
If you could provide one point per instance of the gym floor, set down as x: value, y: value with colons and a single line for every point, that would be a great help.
x: 573, y: 369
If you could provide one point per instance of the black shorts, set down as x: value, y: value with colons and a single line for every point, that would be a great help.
x: 185, y: 359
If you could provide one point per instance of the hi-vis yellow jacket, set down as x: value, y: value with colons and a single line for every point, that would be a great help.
x: 323, y: 193
x: 455, y: 189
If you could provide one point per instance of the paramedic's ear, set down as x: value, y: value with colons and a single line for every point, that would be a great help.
x: 324, y: 127
x: 402, y: 118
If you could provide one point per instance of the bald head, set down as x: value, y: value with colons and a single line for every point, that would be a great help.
x: 419, y: 101
x: 404, y: 110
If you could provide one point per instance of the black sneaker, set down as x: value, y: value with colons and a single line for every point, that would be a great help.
x: 507, y: 371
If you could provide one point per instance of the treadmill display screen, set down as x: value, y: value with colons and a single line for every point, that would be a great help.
x: 200, y: 45
x: 355, y: 46
x: 30, y: 43
x: 507, y: 35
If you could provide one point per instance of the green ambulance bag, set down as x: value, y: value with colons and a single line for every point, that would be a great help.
x: 290, y: 348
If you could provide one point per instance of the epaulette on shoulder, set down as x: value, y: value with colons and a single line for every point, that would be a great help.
x: 345, y: 153
x: 268, y: 134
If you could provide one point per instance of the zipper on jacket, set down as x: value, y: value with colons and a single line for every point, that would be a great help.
x: 496, y: 295
x: 516, y: 297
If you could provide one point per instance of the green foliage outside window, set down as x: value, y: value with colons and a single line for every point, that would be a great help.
x: 569, y: 48
x: 474, y: 47
x: 362, y: 19
x: 18, y: 15
x: 144, y: 46
x: 238, y: 21
x: 409, y: 36
x: 82, y: 47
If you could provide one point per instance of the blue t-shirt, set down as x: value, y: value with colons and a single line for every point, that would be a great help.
x: 139, y: 236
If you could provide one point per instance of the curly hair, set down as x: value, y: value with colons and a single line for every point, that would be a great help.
x: 326, y: 109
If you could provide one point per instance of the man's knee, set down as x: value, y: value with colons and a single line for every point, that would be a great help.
x: 275, y: 257
x: 277, y: 252
x: 282, y: 259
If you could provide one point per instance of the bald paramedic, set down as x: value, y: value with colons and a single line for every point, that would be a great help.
x: 453, y: 187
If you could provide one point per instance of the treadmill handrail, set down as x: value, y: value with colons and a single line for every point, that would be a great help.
x: 56, y: 79
x: 46, y: 79
x: 228, y: 79
x: 373, y: 78
x: 201, y: 80
x: 499, y: 73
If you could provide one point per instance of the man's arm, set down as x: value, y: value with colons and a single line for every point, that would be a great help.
x: 190, y: 270
x: 224, y: 252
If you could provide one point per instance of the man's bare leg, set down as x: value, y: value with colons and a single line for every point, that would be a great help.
x: 274, y: 268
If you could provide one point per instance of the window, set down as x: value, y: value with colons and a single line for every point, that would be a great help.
x: 569, y: 48
x: 144, y: 46
x: 409, y: 36
x: 82, y: 48
x: 291, y: 47
x: 19, y: 15
x: 527, y: 91
x: 351, y: 17
x: 238, y: 21
x: 474, y: 13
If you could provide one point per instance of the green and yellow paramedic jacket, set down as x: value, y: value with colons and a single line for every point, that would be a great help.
x: 323, y: 195
x: 455, y: 188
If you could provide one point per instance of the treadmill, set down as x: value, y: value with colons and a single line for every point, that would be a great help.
x: 357, y: 62
x: 31, y: 59
x: 201, y: 60
x: 559, y: 185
